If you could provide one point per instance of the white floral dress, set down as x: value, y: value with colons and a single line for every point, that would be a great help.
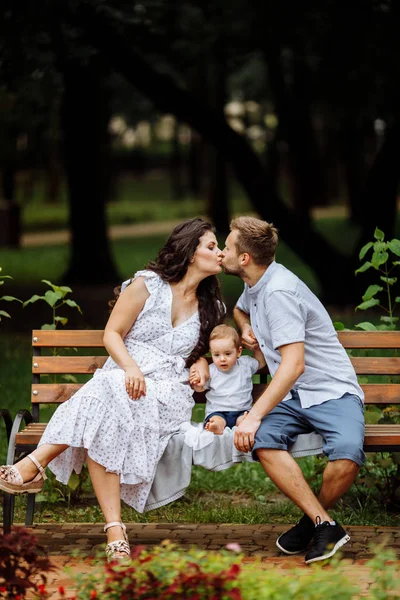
x: 127, y: 436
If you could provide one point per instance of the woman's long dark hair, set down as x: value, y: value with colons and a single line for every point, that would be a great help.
x: 171, y: 265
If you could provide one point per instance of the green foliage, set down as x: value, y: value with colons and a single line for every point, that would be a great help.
x: 55, y: 298
x: 169, y: 572
x: 3, y: 313
x: 384, y: 260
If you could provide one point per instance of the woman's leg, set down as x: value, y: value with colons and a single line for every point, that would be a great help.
x: 43, y: 454
x: 107, y: 489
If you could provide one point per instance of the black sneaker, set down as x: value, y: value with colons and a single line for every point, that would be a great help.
x: 297, y: 539
x: 326, y: 541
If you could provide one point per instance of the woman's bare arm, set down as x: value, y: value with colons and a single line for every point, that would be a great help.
x: 121, y: 320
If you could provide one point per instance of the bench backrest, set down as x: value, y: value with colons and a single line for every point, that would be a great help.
x: 47, y: 363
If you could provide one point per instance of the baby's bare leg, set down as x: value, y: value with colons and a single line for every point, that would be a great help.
x: 216, y: 425
x: 240, y: 419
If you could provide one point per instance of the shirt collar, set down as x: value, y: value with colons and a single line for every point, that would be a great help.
x: 263, y: 279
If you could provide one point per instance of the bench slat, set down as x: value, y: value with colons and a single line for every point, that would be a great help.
x: 67, y: 338
x: 375, y: 435
x: 370, y: 339
x: 56, y: 393
x: 67, y: 364
x: 388, y: 365
x: 53, y: 393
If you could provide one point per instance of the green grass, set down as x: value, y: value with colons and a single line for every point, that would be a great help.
x: 136, y: 200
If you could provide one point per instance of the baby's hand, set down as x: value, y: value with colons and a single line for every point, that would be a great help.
x: 194, y: 377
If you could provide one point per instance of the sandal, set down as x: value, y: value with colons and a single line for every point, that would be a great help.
x: 12, y: 483
x: 118, y: 546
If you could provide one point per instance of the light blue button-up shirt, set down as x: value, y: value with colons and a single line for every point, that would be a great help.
x: 283, y: 310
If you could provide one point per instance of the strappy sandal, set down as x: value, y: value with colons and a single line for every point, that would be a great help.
x: 12, y: 483
x: 118, y: 546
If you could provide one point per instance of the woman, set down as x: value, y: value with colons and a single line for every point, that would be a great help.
x: 121, y: 420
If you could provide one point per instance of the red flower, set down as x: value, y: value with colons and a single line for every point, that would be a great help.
x: 61, y: 590
x: 93, y: 594
x: 42, y: 588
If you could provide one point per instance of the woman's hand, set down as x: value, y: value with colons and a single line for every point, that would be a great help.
x: 200, y: 370
x: 249, y: 340
x: 135, y: 383
x: 194, y: 377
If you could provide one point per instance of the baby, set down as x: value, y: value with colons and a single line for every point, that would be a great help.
x: 228, y: 396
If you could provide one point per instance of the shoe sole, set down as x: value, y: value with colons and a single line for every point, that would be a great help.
x: 15, y: 490
x: 287, y: 551
x: 338, y: 545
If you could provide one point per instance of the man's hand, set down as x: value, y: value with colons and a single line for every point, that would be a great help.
x: 245, y: 432
x: 249, y: 340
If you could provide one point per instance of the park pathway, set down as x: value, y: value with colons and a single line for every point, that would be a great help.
x: 256, y: 541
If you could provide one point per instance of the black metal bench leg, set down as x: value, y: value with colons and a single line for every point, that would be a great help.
x: 8, y: 512
x: 30, y: 509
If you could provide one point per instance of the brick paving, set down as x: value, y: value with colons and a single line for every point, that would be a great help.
x: 256, y: 541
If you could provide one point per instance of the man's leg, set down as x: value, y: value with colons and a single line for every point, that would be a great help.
x: 338, y: 476
x: 286, y: 474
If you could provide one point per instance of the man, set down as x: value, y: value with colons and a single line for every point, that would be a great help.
x: 313, y: 386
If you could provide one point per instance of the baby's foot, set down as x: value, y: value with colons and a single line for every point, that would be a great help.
x: 216, y: 425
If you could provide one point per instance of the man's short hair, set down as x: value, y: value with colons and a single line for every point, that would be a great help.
x: 223, y: 332
x: 256, y: 237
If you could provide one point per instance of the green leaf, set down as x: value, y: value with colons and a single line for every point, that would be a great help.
x: 3, y: 313
x: 371, y: 291
x: 394, y: 246
x: 366, y: 326
x: 65, y: 288
x: 70, y: 378
x: 380, y: 247
x: 55, y: 287
x: 33, y: 298
x: 368, y: 304
x: 389, y: 319
x: 62, y: 320
x: 10, y: 299
x: 364, y: 267
x: 73, y: 481
x: 52, y: 297
x: 384, y: 327
x: 389, y: 280
x: 365, y: 249
x: 6, y: 277
x: 48, y: 326
x: 379, y: 258
x: 73, y: 304
x: 338, y: 325
x: 396, y: 262
x: 397, y: 299
x: 378, y: 234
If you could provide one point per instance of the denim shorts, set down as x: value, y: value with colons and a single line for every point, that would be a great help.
x: 229, y: 416
x: 340, y: 422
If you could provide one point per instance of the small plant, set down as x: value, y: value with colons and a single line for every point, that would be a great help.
x: 381, y: 472
x: 55, y: 298
x: 3, y: 313
x: 384, y: 260
x: 22, y: 560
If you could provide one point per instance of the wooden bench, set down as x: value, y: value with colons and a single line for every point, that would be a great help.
x: 47, y: 363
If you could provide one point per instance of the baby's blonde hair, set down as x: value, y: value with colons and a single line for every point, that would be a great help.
x: 222, y: 332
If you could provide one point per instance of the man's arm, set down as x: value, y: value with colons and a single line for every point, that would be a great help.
x: 290, y: 369
x: 242, y: 321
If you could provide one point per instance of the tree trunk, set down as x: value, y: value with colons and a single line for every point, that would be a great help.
x: 85, y: 117
x: 175, y: 166
x: 218, y: 193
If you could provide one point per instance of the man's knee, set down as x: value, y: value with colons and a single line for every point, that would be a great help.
x: 348, y: 450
